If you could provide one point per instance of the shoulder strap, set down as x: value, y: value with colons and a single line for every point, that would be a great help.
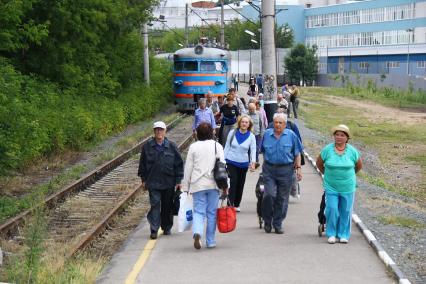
x: 232, y: 137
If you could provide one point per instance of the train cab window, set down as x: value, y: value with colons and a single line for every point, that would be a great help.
x: 212, y: 66
x: 186, y: 66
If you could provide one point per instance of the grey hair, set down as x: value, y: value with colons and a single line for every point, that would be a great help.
x: 280, y: 115
x: 202, y: 100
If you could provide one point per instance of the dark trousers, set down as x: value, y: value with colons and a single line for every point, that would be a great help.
x: 295, y: 105
x: 161, y: 213
x: 278, y: 181
x: 258, y: 146
x: 238, y: 179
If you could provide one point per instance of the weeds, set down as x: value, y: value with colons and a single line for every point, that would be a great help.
x: 401, y: 221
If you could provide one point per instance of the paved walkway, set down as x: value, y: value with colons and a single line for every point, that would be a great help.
x: 249, y: 255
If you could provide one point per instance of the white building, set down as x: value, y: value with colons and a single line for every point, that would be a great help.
x: 174, y: 14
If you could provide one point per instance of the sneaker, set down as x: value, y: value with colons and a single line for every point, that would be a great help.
x: 238, y: 209
x: 279, y: 231
x: 344, y: 241
x: 167, y: 232
x: 331, y: 240
x: 153, y: 235
x: 211, y: 246
x: 197, y: 243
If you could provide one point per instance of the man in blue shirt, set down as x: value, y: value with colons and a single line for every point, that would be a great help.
x: 281, y: 151
x: 203, y: 114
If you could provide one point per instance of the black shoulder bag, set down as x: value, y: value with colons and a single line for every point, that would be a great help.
x: 219, y: 172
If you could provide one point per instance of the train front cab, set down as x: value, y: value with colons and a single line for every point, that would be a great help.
x: 193, y: 78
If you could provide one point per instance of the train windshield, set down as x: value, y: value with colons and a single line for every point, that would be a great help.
x: 186, y: 66
x: 212, y: 66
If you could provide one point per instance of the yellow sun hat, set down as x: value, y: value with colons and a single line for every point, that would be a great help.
x: 343, y: 128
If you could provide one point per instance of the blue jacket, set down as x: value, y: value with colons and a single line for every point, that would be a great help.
x: 160, y: 169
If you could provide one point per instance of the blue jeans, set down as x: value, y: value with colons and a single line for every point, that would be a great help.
x: 278, y: 181
x: 205, y: 205
x: 338, y: 212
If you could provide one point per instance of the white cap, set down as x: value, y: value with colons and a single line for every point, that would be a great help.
x: 159, y: 124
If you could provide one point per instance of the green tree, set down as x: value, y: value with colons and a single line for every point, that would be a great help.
x: 235, y: 36
x: 302, y: 63
x: 284, y: 36
x: 87, y: 45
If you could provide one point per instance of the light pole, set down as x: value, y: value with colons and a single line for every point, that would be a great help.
x: 252, y: 40
x: 251, y: 66
x: 409, y: 31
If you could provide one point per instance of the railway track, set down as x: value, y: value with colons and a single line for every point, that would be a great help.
x: 91, y: 202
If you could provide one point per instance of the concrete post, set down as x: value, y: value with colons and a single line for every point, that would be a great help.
x: 269, y: 58
x: 186, y: 25
x: 145, y: 54
x: 222, y: 25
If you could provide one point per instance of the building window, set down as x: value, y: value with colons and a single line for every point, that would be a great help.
x: 361, y: 39
x: 365, y: 16
x: 363, y: 65
x: 421, y: 64
x: 392, y: 64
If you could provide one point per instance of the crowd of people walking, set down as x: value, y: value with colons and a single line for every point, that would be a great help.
x: 244, y: 134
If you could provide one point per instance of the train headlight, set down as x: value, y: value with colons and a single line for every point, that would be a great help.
x: 198, y: 49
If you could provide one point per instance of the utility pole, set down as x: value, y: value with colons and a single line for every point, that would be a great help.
x: 269, y: 58
x: 186, y: 25
x: 222, y: 24
x: 145, y: 53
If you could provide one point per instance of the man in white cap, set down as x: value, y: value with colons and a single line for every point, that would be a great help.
x: 161, y: 172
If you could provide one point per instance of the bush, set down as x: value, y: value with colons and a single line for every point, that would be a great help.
x: 38, y: 118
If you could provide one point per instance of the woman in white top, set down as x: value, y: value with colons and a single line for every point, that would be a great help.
x: 199, y: 181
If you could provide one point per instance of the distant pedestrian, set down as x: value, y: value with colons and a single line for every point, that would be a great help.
x: 252, y: 91
x: 282, y: 103
x: 229, y: 115
x: 203, y: 114
x: 240, y: 155
x: 262, y: 112
x: 339, y: 162
x: 259, y: 82
x: 216, y: 108
x: 284, y: 88
x: 282, y: 150
x: 209, y: 99
x: 258, y: 128
x: 294, y: 99
x: 161, y: 172
x: 235, y: 79
x: 199, y: 181
x: 237, y: 101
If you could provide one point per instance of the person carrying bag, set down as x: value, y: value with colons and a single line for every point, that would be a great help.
x: 204, y: 163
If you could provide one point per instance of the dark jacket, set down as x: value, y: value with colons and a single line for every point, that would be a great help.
x: 160, y: 170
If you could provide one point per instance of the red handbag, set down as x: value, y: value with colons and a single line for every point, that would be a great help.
x: 226, y: 218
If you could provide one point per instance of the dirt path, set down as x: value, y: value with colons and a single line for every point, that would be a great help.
x: 378, y: 112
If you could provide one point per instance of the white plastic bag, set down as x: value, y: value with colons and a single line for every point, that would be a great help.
x: 185, y: 212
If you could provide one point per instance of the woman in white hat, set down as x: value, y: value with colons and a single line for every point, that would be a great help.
x: 339, y: 162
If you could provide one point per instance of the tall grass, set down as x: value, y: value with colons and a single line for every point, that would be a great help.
x: 385, y: 95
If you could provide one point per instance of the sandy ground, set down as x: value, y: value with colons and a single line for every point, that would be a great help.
x: 381, y: 113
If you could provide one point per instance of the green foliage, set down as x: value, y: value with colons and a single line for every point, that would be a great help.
x: 168, y: 41
x: 38, y: 118
x: 87, y: 45
x: 24, y: 268
x: 302, y: 63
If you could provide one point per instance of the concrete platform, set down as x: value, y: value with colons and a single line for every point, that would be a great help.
x: 249, y: 255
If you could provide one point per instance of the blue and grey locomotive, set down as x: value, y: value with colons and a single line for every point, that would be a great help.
x: 197, y: 71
